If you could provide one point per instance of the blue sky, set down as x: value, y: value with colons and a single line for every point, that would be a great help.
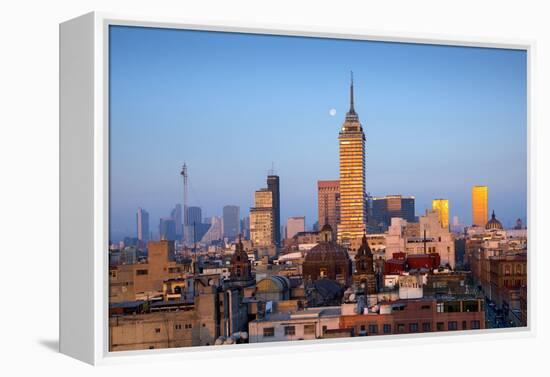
x: 437, y: 119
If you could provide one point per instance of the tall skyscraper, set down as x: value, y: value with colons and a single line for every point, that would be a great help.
x: 387, y: 207
x: 295, y: 225
x: 480, y: 205
x: 194, y: 226
x: 142, y: 223
x: 273, y: 186
x: 231, y: 222
x: 441, y: 206
x: 328, y: 204
x: 261, y: 219
x: 353, y: 211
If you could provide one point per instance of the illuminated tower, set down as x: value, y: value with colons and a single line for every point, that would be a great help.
x: 480, y: 205
x: 441, y: 206
x: 353, y: 209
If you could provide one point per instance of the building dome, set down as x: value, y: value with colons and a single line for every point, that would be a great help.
x: 326, y: 252
x: 493, y: 223
x: 327, y: 259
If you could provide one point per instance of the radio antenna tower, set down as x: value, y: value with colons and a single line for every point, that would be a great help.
x: 185, y: 194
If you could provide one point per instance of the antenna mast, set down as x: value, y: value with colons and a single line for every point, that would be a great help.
x: 185, y: 194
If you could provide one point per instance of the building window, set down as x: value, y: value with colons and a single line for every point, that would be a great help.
x: 290, y: 330
x: 322, y: 272
x: 452, y: 325
x: 157, y: 330
x: 413, y: 327
x: 440, y: 326
x: 269, y: 332
x: 426, y: 327
x: 452, y: 307
x: 387, y: 328
x: 142, y: 272
x: 363, y: 328
x: 475, y: 325
x: 470, y: 306
x: 440, y: 307
x: 373, y: 329
x: 309, y: 329
x: 425, y: 307
x: 178, y: 327
x: 400, y: 328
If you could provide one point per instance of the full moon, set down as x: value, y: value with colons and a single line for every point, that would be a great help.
x: 332, y: 112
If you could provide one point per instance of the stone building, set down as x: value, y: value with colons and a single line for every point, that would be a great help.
x: 141, y: 281
x: 327, y: 260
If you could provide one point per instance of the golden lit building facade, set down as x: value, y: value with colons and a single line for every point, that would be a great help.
x: 441, y: 206
x: 353, y: 207
x: 261, y: 219
x: 480, y: 205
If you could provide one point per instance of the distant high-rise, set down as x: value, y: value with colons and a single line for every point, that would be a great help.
x: 261, y: 219
x: 167, y: 229
x: 142, y: 223
x: 480, y: 205
x: 273, y: 186
x: 441, y: 206
x: 387, y: 207
x: 214, y: 232
x: 231, y: 221
x: 177, y: 215
x: 245, y: 227
x: 353, y: 209
x: 295, y: 225
x: 194, y: 215
x: 195, y: 226
x: 328, y: 204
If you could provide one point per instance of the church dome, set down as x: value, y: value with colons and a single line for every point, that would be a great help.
x: 327, y: 252
x: 493, y: 223
x: 327, y: 259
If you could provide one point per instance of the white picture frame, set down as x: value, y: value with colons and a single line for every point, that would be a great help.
x: 84, y: 186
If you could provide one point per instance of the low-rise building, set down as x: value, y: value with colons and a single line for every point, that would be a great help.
x: 306, y: 324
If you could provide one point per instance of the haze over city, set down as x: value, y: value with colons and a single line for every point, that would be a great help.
x: 437, y: 120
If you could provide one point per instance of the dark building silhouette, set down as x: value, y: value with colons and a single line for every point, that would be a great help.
x: 273, y: 186
x: 387, y: 207
x: 231, y: 221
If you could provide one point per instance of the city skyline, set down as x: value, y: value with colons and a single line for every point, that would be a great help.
x: 152, y: 136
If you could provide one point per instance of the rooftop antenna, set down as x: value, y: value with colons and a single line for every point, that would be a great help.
x: 185, y: 193
x: 272, y: 170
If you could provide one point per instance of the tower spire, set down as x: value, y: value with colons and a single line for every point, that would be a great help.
x: 351, y: 115
x: 351, y: 107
